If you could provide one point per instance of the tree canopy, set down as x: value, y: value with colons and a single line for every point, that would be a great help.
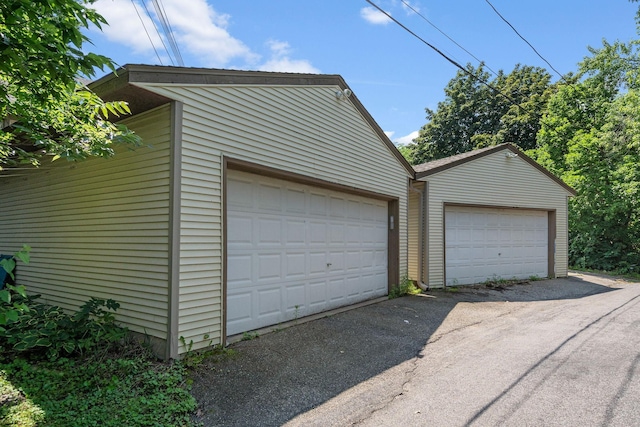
x: 585, y: 129
x: 43, y: 107
x: 475, y: 115
x: 590, y: 137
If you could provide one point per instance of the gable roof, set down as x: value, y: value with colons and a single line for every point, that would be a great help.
x: 121, y: 85
x: 435, y: 166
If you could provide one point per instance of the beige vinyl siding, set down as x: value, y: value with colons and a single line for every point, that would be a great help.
x: 300, y: 129
x: 97, y: 228
x: 493, y: 180
x: 413, y: 233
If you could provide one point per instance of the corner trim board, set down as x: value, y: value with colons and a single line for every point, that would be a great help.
x: 174, y: 230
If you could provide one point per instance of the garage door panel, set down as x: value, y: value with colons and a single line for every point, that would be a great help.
x: 295, y: 297
x: 269, y: 198
x: 269, y: 267
x: 353, y: 234
x: 317, y: 263
x: 354, y: 210
x: 269, y: 302
x: 296, y: 202
x: 318, y: 233
x: 321, y: 249
x: 483, y: 243
x: 317, y: 291
x: 269, y: 231
x: 336, y: 261
x: 336, y: 291
x: 240, y: 193
x: 336, y: 234
x: 295, y: 265
x: 239, y: 307
x: 338, y: 207
x: 318, y: 204
x: 244, y: 226
x: 296, y: 232
x: 239, y: 268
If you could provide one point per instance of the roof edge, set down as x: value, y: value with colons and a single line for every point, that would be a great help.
x: 142, y: 73
x: 504, y: 146
x: 132, y: 74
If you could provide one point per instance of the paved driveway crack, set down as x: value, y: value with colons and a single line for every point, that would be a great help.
x: 408, y: 376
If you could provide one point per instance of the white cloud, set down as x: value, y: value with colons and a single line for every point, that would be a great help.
x: 197, y: 27
x: 374, y: 16
x: 407, y: 139
x: 203, y: 32
x: 279, y: 48
x: 199, y: 30
x: 125, y: 26
x: 389, y: 134
x: 281, y: 62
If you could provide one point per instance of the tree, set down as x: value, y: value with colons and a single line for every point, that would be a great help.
x: 45, y: 110
x: 473, y: 115
x: 590, y: 136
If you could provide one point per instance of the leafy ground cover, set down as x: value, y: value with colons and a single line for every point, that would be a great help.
x: 100, y: 390
x: 81, y: 369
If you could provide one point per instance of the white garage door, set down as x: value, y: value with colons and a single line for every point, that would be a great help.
x: 295, y: 250
x: 483, y: 243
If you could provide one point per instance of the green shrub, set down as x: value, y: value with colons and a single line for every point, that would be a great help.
x: 406, y: 287
x: 28, y: 326
x: 49, y: 330
x: 11, y: 296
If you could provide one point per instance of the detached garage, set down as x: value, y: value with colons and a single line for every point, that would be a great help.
x: 251, y: 203
x: 488, y: 214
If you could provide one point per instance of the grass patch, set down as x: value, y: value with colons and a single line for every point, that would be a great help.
x: 248, y: 336
x: 406, y: 287
x: 623, y: 274
x: 112, y: 390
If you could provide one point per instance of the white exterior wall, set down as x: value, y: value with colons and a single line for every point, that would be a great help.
x: 492, y: 180
x: 300, y: 129
x: 97, y: 228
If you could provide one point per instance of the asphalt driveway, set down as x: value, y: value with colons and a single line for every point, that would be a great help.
x: 553, y: 352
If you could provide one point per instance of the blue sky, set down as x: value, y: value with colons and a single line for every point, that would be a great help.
x: 393, y: 74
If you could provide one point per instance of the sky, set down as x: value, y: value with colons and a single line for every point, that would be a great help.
x: 395, y: 75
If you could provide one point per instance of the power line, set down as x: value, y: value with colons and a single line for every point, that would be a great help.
x: 446, y: 35
x: 145, y: 30
x: 180, y: 60
x: 525, y: 40
x: 168, y: 31
x: 464, y: 70
x: 157, y: 31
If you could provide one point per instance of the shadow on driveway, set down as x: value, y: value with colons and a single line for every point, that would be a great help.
x: 280, y: 375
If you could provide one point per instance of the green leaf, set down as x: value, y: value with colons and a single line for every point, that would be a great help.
x: 5, y: 296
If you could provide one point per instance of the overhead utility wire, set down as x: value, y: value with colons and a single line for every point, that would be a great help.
x: 145, y: 30
x: 168, y: 31
x: 173, y: 37
x: 446, y: 35
x: 525, y: 40
x: 489, y: 85
x: 157, y: 31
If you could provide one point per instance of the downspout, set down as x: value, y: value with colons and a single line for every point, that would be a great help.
x: 419, y: 282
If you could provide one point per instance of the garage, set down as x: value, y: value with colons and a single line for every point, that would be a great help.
x: 489, y: 243
x: 294, y: 250
x: 492, y: 213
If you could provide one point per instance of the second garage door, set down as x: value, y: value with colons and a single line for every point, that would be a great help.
x: 486, y: 243
x: 295, y: 250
